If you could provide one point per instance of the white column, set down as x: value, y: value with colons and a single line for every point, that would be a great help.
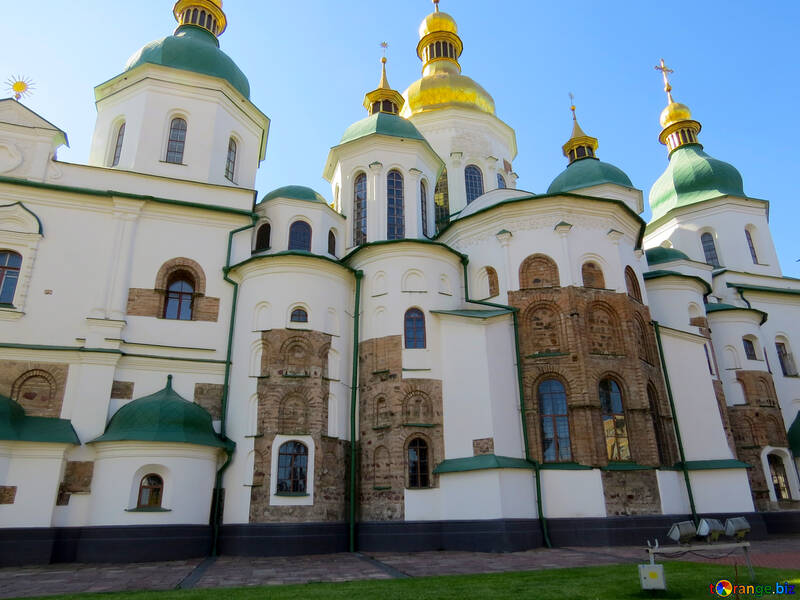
x: 512, y: 283
x: 413, y: 209
x: 567, y: 275
x: 376, y: 204
x: 456, y: 188
x: 617, y: 280
x: 126, y: 212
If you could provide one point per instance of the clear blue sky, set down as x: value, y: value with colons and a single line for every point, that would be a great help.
x: 310, y: 63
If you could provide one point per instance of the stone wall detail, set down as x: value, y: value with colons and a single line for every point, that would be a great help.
x: 631, y: 492
x: 393, y: 412
x: 483, y: 446
x: 7, y: 494
x: 122, y: 390
x: 209, y: 396
x: 37, y: 386
x: 293, y: 400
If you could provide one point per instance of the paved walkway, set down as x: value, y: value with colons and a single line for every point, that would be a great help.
x: 229, y: 571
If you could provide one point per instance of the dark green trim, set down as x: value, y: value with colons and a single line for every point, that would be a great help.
x: 626, y: 466
x: 564, y: 466
x: 297, y: 253
x: 722, y: 307
x: 473, y: 314
x: 546, y: 354
x: 28, y: 210
x: 673, y: 212
x: 381, y: 488
x: 763, y: 288
x: 426, y: 242
x: 153, y: 509
x: 707, y: 465
x: 112, y: 193
x: 197, y: 360
x: 293, y: 494
x: 658, y: 273
x: 353, y: 405
x: 672, y: 409
x: 532, y: 196
x: 379, y: 427
x: 521, y: 392
x: 481, y: 462
x: 45, y: 347
x: 419, y: 425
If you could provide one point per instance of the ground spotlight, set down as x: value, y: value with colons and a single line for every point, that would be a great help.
x: 737, y: 527
x: 682, y: 532
x: 710, y: 529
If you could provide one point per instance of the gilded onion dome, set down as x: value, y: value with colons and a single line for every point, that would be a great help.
x: 442, y: 85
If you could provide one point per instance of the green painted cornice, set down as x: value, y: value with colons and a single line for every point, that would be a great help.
x: 658, y: 273
x: 482, y: 462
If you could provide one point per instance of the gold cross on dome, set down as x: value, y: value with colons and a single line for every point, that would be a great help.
x: 436, y: 5
x: 572, y: 105
x: 664, y: 70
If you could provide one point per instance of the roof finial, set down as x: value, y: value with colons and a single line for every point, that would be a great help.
x: 169, y: 381
x: 384, y: 84
x: 572, y: 106
x: 667, y: 87
x: 435, y: 5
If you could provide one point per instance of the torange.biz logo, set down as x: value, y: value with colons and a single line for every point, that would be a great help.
x: 725, y: 588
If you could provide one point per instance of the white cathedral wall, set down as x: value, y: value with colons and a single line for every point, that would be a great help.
x: 721, y: 490
x: 572, y: 493
x: 188, y: 471
x: 670, y: 299
x: 672, y: 490
x: 35, y: 469
x: 280, y: 213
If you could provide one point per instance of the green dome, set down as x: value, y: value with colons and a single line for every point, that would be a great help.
x: 585, y: 173
x: 296, y: 192
x: 192, y: 48
x: 659, y: 254
x: 382, y: 124
x: 794, y: 435
x: 16, y: 426
x: 162, y: 417
x: 693, y: 176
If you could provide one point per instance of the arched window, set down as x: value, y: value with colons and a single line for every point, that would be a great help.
x: 299, y: 315
x: 751, y: 246
x: 10, y: 263
x: 177, y: 141
x: 538, y: 270
x: 615, y: 428
x: 300, y: 236
x: 230, y: 162
x: 423, y: 206
x: 778, y: 476
x: 151, y: 491
x: 785, y: 357
x: 331, y: 243
x: 360, y: 210
x: 395, y: 219
x: 494, y: 283
x: 749, y: 349
x: 292, y: 468
x: 632, y: 284
x: 501, y: 182
x: 441, y: 202
x: 418, y: 476
x: 555, y: 422
x: 180, y: 292
x: 118, y: 145
x: 194, y: 16
x: 592, y: 275
x: 658, y: 425
x: 262, y: 237
x: 709, y: 249
x: 415, y: 328
x: 474, y: 182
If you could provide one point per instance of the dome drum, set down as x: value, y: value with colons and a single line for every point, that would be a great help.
x: 443, y: 38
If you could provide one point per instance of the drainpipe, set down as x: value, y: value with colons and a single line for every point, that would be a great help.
x: 353, y: 405
x: 217, y: 517
x: 514, y: 311
x: 675, y: 423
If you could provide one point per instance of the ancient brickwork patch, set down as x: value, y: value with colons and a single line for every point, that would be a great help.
x: 209, y: 396
x: 7, y: 494
x: 37, y: 386
x: 78, y: 477
x: 122, y: 390
x: 483, y: 446
x: 631, y: 492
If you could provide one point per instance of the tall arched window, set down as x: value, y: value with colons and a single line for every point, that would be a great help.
x: 778, y: 476
x: 180, y: 292
x: 749, y: 348
x: 474, y: 182
x: 615, y: 428
x: 177, y: 141
x: 292, y: 468
x: 785, y: 357
x: 360, y: 210
x: 501, y: 182
x: 555, y: 422
x: 658, y: 425
x: 395, y: 218
x: 751, y: 246
x: 441, y: 202
x: 418, y: 476
x: 494, y: 282
x: 592, y: 275
x: 331, y: 243
x: 414, y: 328
x: 262, y: 237
x: 10, y: 263
x: 300, y: 236
x: 151, y: 490
x: 632, y: 284
x: 709, y: 249
x: 230, y: 162
x: 118, y: 145
x: 423, y: 206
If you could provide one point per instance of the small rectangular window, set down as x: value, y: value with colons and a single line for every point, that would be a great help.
x: 749, y: 349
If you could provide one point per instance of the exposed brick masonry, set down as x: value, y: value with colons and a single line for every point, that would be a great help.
x: 37, y: 386
x: 209, y: 396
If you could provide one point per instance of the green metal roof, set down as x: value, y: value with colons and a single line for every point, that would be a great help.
x: 192, y: 48
x: 474, y: 313
x: 721, y: 306
x: 382, y: 124
x: 691, y: 177
x: 586, y: 173
x: 163, y: 417
x: 658, y: 273
x: 794, y: 435
x: 764, y: 288
x: 296, y: 192
x: 659, y: 254
x: 16, y: 426
x: 482, y: 462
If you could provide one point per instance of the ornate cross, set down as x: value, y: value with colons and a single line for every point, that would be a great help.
x: 664, y: 70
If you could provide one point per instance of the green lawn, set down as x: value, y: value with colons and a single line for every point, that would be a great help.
x: 684, y: 580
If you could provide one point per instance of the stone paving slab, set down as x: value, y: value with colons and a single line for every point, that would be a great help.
x: 229, y: 571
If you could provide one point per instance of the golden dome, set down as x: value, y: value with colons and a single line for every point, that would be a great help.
x: 674, y: 112
x: 437, y: 21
